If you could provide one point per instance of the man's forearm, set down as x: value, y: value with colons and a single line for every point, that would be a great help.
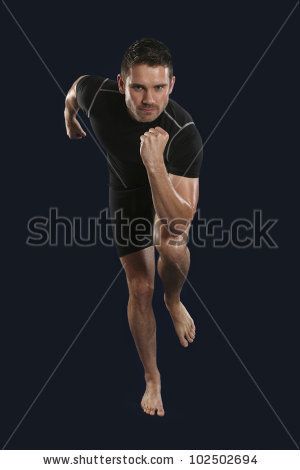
x: 71, y: 104
x: 168, y: 203
x: 73, y: 127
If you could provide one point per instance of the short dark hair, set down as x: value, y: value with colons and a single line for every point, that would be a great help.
x: 147, y: 51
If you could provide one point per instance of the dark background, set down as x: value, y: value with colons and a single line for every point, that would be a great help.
x: 92, y: 400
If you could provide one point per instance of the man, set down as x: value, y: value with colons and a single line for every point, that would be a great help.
x: 154, y: 154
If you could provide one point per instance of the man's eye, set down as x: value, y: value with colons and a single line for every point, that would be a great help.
x: 159, y: 87
x: 137, y: 87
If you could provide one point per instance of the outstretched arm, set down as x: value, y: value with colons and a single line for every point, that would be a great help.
x: 73, y: 128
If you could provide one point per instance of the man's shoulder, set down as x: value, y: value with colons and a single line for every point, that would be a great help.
x: 181, y: 125
x: 98, y: 81
x: 110, y: 85
x: 95, y: 93
x: 179, y: 115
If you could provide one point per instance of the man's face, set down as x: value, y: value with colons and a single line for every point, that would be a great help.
x: 146, y: 91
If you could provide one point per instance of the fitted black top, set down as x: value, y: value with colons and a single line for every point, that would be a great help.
x: 119, y: 134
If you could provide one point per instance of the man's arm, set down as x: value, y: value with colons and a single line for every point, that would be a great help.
x: 73, y: 128
x: 170, y: 203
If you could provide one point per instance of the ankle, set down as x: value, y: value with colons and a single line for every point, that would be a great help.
x: 152, y: 377
x: 171, y: 300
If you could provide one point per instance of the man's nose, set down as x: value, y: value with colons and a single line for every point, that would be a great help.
x: 148, y: 98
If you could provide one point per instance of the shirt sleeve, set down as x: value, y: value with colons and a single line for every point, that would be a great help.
x: 185, y: 153
x: 86, y: 91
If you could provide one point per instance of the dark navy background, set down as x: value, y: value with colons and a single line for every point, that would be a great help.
x: 92, y: 401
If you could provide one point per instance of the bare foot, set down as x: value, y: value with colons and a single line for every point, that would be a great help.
x: 151, y: 402
x: 182, y: 320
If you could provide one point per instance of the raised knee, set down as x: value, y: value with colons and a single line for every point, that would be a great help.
x: 141, y: 290
x: 173, y: 254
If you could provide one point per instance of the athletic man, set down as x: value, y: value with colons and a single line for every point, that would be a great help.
x: 154, y: 154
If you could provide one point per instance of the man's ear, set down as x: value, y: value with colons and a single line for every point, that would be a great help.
x: 121, y: 84
x: 172, y: 83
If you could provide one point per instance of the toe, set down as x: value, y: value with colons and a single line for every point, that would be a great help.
x: 152, y: 412
x: 161, y: 412
x: 184, y: 342
x: 189, y: 336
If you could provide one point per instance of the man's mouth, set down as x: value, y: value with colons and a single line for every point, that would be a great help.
x: 147, y: 109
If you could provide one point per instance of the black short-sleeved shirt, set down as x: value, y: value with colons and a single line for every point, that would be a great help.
x: 119, y: 134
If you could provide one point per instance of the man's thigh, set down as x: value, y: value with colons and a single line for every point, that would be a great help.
x: 140, y: 265
x: 132, y: 214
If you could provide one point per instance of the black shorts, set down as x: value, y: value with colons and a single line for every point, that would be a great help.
x: 132, y: 217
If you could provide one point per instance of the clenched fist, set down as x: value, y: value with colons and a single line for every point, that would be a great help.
x: 153, y: 143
